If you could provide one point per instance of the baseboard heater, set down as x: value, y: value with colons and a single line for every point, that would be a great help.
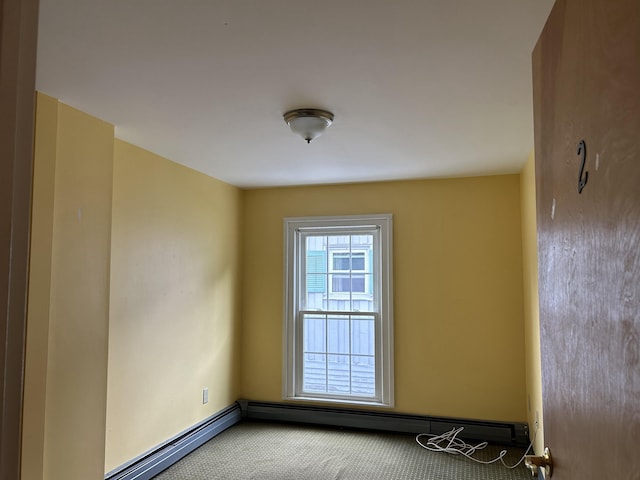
x: 163, y: 456
x: 503, y: 433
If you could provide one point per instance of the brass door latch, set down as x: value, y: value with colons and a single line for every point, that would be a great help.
x: 545, y: 462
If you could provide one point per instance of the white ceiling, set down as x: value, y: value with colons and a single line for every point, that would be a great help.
x: 419, y: 88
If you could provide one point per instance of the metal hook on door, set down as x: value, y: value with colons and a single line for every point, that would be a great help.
x: 582, y: 175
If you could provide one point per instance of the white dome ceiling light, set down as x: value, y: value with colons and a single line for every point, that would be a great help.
x: 309, y: 123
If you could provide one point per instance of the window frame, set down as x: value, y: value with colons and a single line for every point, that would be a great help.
x: 383, y: 306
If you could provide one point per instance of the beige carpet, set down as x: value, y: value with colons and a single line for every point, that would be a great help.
x: 266, y: 451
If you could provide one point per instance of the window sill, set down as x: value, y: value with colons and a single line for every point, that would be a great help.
x: 338, y: 401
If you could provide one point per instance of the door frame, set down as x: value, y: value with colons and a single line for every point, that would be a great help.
x: 18, y: 43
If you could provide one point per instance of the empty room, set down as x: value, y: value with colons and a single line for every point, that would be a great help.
x: 392, y: 220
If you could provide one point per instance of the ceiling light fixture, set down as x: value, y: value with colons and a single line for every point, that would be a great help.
x: 309, y: 123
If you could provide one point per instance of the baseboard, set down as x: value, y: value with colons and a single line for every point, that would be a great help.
x: 163, y: 456
x: 503, y: 433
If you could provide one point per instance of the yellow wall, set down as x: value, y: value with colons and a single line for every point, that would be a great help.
x: 175, y: 298
x: 531, y: 305
x: 458, y: 299
x: 135, y: 268
x: 66, y: 372
x: 46, y: 138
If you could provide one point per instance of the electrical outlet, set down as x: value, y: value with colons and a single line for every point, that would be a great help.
x: 205, y: 395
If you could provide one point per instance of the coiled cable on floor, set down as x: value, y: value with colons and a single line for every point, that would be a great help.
x: 450, y: 443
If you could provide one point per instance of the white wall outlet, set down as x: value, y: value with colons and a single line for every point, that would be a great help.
x: 205, y: 395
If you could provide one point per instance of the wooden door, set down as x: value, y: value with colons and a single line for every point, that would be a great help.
x: 587, y: 88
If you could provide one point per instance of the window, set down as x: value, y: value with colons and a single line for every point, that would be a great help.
x: 338, y: 321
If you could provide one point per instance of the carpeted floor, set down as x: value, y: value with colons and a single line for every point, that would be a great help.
x: 269, y: 451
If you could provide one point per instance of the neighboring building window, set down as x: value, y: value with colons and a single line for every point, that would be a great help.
x: 338, y: 321
x: 348, y: 271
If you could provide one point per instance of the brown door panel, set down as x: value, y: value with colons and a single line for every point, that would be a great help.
x: 586, y: 87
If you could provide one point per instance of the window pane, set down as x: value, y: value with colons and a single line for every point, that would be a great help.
x: 363, y: 335
x: 359, y: 240
x: 314, y: 373
x: 316, y: 301
x: 338, y: 338
x: 316, y: 283
x: 316, y: 243
x: 315, y: 286
x: 335, y: 241
x: 363, y: 376
x: 339, y: 375
x: 362, y: 305
x: 314, y: 333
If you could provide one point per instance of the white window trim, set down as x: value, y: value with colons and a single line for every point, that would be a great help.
x: 384, y: 351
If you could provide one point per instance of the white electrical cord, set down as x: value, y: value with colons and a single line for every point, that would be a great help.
x: 450, y: 443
